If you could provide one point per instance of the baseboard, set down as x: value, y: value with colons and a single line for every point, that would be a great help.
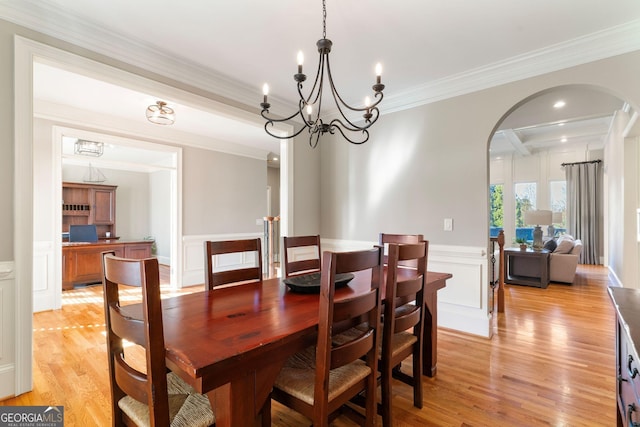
x: 7, y: 381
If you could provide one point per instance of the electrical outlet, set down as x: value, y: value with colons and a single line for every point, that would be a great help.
x: 448, y: 224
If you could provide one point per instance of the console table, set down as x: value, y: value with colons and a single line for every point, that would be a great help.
x: 82, y: 262
x: 529, y: 267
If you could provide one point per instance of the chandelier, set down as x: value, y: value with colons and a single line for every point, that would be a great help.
x: 309, y: 107
x: 160, y: 114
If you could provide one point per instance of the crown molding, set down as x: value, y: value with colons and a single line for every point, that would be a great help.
x: 46, y: 18
x: 593, y: 47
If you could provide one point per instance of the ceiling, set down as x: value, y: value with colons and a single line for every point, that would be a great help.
x: 430, y: 50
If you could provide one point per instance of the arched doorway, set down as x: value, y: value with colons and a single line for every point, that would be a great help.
x: 534, y: 137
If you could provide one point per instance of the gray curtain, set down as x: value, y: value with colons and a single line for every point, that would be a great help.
x: 583, y: 207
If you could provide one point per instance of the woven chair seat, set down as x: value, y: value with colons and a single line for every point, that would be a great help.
x: 186, y: 408
x: 297, y: 377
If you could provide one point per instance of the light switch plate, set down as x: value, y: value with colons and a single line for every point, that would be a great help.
x: 448, y: 224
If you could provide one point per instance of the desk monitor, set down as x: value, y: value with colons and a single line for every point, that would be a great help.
x: 83, y: 233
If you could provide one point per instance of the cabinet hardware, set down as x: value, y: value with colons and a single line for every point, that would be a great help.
x: 632, y: 372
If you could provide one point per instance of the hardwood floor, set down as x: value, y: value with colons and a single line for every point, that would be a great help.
x: 549, y: 363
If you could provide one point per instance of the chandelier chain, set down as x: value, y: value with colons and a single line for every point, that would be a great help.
x: 324, y: 19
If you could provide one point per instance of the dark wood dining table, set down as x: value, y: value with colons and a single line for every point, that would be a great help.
x: 231, y: 343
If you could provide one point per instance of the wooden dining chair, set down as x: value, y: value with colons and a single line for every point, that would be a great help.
x: 400, y: 238
x: 403, y: 322
x: 213, y: 249
x: 301, y: 266
x: 386, y: 238
x: 150, y: 397
x: 318, y: 381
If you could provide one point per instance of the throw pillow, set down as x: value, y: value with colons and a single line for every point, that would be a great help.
x: 550, y: 245
x: 565, y: 244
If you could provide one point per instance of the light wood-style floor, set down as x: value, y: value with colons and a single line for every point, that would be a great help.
x: 549, y: 363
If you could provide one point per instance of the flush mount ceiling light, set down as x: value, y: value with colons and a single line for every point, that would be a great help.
x: 309, y: 107
x: 160, y: 114
x: 88, y: 148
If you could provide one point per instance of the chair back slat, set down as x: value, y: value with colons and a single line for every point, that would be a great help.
x: 294, y: 266
x: 407, y: 320
x: 214, y: 279
x: 132, y: 382
x: 128, y: 328
x: 352, y: 350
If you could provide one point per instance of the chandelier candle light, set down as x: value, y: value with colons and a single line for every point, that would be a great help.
x: 309, y: 107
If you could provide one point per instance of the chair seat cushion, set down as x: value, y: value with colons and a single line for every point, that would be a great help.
x: 401, y: 341
x: 297, y: 377
x: 186, y: 409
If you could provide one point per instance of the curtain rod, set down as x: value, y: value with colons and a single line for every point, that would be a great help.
x: 580, y: 163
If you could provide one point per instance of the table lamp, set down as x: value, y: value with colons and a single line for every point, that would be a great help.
x: 556, y: 218
x: 537, y: 218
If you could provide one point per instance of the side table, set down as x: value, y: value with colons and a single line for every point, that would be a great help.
x: 530, y: 268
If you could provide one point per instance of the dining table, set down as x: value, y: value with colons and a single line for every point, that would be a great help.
x: 230, y: 343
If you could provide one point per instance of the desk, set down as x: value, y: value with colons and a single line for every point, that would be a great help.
x: 236, y: 340
x: 528, y: 267
x: 82, y: 261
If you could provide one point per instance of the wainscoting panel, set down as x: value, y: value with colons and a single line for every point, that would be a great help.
x: 44, y: 283
x: 193, y: 256
x: 7, y: 329
x: 463, y: 304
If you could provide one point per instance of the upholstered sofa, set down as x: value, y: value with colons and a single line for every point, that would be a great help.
x: 563, y: 264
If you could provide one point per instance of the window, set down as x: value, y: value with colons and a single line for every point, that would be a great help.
x: 525, y: 194
x: 496, y: 215
x: 558, y: 200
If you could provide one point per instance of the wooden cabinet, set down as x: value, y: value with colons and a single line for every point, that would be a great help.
x: 82, y: 262
x: 89, y: 204
x: 627, y: 304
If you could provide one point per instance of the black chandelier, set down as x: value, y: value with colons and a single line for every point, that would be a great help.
x: 312, y: 104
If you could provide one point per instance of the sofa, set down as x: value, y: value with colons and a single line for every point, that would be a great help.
x: 563, y: 260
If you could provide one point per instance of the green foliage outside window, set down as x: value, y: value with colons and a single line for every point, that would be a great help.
x: 496, y: 199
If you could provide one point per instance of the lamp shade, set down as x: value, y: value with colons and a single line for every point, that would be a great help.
x: 537, y: 217
x: 557, y: 218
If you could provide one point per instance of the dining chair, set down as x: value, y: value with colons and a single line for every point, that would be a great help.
x: 213, y: 249
x: 385, y: 238
x: 151, y: 396
x: 400, y: 238
x: 403, y: 322
x: 319, y: 380
x: 301, y: 266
